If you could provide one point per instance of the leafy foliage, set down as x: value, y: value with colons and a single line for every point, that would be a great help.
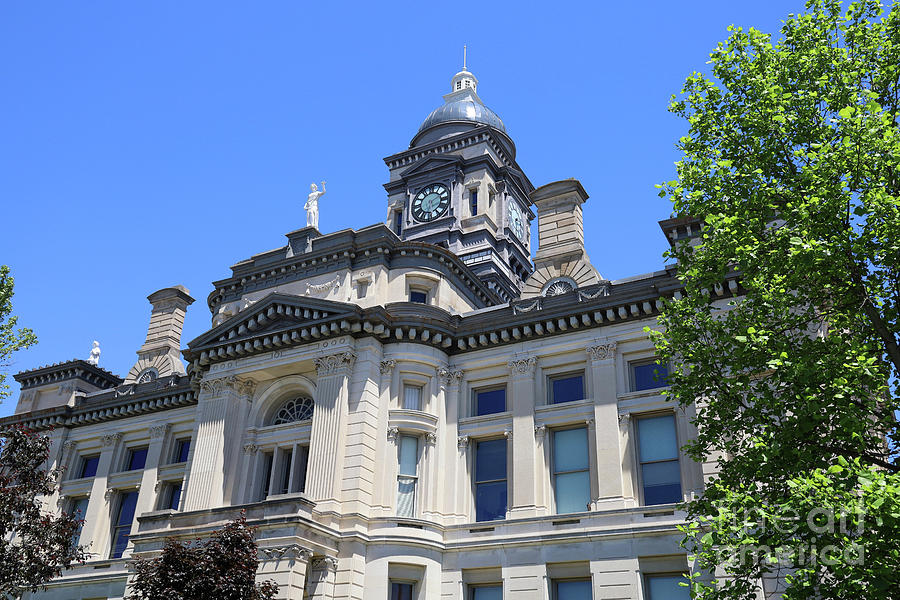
x: 35, y: 545
x: 792, y: 163
x: 222, y: 567
x: 11, y: 339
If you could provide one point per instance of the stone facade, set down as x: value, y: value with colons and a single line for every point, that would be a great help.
x: 394, y: 418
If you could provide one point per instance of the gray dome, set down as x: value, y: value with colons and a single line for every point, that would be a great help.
x: 463, y: 106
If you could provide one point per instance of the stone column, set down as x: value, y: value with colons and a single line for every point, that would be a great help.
x: 326, y: 446
x: 221, y: 419
x: 428, y: 477
x: 286, y: 566
x: 97, y: 519
x: 445, y: 454
x: 542, y: 498
x: 522, y: 445
x: 628, y: 463
x: 321, y: 578
x: 381, y: 499
x: 147, y: 497
x: 606, y: 487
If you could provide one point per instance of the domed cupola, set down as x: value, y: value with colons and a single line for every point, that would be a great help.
x: 462, y: 109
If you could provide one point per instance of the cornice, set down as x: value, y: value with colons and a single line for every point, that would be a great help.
x: 73, y: 369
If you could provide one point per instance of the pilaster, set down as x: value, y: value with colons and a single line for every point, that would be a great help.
x: 286, y: 566
x: 607, y: 485
x: 522, y: 484
x: 321, y: 578
x: 147, y: 496
x: 326, y: 448
x: 447, y: 454
x: 97, y: 519
x: 222, y: 410
x: 381, y: 495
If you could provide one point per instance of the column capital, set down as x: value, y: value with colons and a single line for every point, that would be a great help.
x: 159, y: 431
x: 602, y: 351
x: 523, y: 365
x: 110, y: 439
x: 539, y: 432
x: 449, y: 377
x: 431, y: 438
x: 624, y: 419
x: 325, y: 564
x: 69, y: 446
x: 462, y: 442
x: 250, y: 448
x: 387, y: 366
x: 334, y: 363
x: 392, y: 434
x: 220, y: 385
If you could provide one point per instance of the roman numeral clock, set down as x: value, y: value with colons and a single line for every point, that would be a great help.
x: 431, y: 202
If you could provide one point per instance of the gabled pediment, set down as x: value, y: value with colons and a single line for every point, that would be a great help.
x: 274, y: 312
x: 432, y: 163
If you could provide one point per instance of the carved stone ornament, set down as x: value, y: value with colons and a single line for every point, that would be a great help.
x: 602, y: 351
x: 251, y: 448
x: 431, y: 438
x: 159, y: 431
x: 215, y: 387
x: 449, y: 377
x: 325, y: 564
x: 69, y: 446
x: 290, y: 550
x: 508, y: 434
x: 462, y: 442
x: 624, y: 418
x: 110, y: 439
x: 325, y: 365
x: 392, y: 434
x: 523, y: 366
x: 540, y: 431
x: 387, y: 366
x: 110, y: 494
x: 61, y: 501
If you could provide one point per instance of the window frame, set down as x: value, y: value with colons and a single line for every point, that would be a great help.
x: 646, y: 577
x: 83, y: 463
x: 413, y: 385
x: 392, y: 582
x: 176, y: 450
x: 416, y: 478
x: 167, y: 495
x: 476, y: 482
x: 636, y: 418
x: 116, y: 524
x: 129, y: 457
x: 554, y: 473
x: 632, y: 382
x: 470, y: 594
x: 490, y: 388
x: 418, y: 290
x: 473, y: 202
x: 554, y: 593
x: 566, y: 375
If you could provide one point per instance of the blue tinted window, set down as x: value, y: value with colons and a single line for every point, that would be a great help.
x: 79, y: 509
x: 658, y: 451
x: 420, y: 297
x: 490, y: 480
x: 573, y: 590
x: 174, y: 496
x: 401, y: 591
x: 571, y: 470
x: 666, y: 587
x: 182, y: 448
x: 89, y: 466
x: 398, y: 222
x: 566, y: 389
x: 649, y: 376
x: 122, y: 524
x: 488, y: 402
x: 137, y: 458
x: 488, y: 592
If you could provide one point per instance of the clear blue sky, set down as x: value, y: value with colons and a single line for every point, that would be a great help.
x: 144, y: 145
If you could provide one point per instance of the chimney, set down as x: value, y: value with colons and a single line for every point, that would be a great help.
x: 561, y: 264
x: 161, y: 353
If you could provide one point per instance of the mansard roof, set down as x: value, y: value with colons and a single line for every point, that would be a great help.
x: 72, y: 369
x: 346, y: 249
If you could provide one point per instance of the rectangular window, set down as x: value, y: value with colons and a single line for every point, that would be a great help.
x: 490, y: 401
x: 571, y: 470
x: 398, y: 222
x: 301, y: 460
x: 490, y: 480
x: 566, y: 388
x: 418, y: 296
x: 658, y: 453
x: 268, y: 459
x: 284, y: 471
x: 486, y: 592
x: 412, y: 397
x: 666, y: 587
x: 407, y: 476
x: 122, y: 524
x: 473, y: 202
x: 648, y: 375
x: 136, y: 459
x: 572, y: 589
x: 401, y: 591
x: 79, y: 510
x: 182, y: 448
x: 171, y: 496
x: 89, y: 466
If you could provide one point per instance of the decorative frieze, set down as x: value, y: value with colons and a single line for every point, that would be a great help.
x: 449, y: 377
x: 289, y: 550
x: 333, y: 363
x: 602, y: 351
x: 523, y: 366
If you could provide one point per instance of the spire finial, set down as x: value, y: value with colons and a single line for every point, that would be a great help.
x: 464, y: 57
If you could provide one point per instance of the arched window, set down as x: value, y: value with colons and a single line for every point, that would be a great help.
x: 148, y: 375
x: 294, y: 410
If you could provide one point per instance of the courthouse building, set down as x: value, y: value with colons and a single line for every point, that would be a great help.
x: 434, y: 407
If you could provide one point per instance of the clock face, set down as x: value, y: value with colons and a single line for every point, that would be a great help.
x: 516, y: 220
x: 431, y: 202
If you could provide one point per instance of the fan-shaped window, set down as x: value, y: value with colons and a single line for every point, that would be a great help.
x: 559, y: 286
x: 296, y: 409
x: 148, y: 375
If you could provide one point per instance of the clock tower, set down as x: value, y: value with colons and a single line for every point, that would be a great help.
x: 459, y: 186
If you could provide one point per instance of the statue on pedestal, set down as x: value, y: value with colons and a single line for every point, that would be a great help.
x: 95, y: 354
x: 312, y: 205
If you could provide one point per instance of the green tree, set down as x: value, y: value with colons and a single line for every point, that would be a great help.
x: 792, y: 164
x: 221, y: 567
x: 11, y: 339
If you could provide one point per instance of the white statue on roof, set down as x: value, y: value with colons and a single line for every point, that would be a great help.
x: 95, y: 354
x: 312, y: 205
